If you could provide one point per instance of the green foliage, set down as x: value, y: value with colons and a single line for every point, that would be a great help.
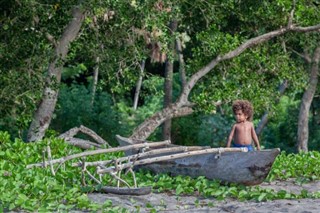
x: 37, y: 189
x: 281, y: 130
x: 184, y: 130
x: 132, y: 118
x: 203, y: 130
x: 117, y: 35
x: 75, y: 108
x: 214, y: 130
x: 254, y: 75
x: 302, y: 167
x: 25, y: 53
x: 69, y: 73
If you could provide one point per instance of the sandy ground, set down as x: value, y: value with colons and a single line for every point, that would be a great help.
x: 162, y: 202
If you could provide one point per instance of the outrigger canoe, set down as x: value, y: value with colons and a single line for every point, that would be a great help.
x: 248, y: 168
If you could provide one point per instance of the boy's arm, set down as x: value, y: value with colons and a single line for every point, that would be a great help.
x: 255, y: 137
x: 231, y: 136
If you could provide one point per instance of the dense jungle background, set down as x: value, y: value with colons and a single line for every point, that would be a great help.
x: 156, y: 70
x: 124, y: 61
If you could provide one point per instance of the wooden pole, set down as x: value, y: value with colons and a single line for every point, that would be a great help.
x: 143, y: 154
x: 100, y: 151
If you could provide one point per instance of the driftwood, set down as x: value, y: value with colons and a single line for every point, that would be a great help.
x: 84, y: 144
x: 50, y: 159
x: 129, y: 141
x: 126, y: 191
x: 95, y: 152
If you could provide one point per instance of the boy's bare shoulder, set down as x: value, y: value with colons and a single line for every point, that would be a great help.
x: 249, y: 123
x: 235, y: 125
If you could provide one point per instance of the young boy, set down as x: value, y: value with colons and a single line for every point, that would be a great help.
x: 243, y: 131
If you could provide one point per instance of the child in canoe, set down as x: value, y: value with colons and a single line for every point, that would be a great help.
x: 242, y: 133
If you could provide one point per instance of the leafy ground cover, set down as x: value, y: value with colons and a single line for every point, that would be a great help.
x: 37, y: 189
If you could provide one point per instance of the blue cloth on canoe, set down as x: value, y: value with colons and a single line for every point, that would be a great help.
x: 250, y: 147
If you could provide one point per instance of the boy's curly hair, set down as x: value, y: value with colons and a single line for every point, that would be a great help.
x: 245, y: 106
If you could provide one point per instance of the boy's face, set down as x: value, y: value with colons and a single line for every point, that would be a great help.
x: 240, y: 116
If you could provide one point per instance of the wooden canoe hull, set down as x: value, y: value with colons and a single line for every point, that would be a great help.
x: 249, y: 168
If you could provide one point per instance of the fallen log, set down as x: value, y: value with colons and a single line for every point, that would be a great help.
x: 83, y: 144
x: 69, y: 138
x: 126, y: 191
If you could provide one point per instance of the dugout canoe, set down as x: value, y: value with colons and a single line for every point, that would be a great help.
x: 248, y: 168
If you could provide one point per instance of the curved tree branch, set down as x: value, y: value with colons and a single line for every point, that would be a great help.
x: 234, y: 53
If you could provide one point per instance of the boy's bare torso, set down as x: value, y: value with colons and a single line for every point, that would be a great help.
x: 242, y: 133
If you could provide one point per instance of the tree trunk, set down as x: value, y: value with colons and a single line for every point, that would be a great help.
x: 138, y: 86
x: 166, y: 129
x: 95, y: 80
x: 42, y: 117
x: 264, y: 120
x: 182, y: 105
x: 303, y: 127
x: 182, y: 70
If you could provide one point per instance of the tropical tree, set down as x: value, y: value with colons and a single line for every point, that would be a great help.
x: 111, y: 39
x: 303, y: 120
x: 24, y: 57
x: 44, y: 112
x: 183, y: 106
x: 97, y: 22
